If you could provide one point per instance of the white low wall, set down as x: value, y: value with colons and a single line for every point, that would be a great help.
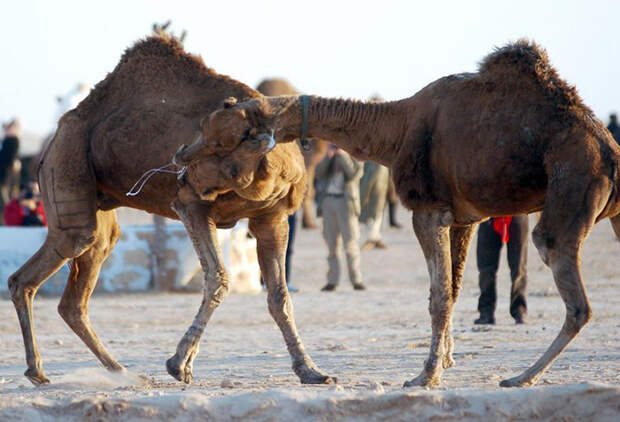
x: 130, y: 266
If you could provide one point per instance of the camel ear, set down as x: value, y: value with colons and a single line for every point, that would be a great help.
x: 229, y: 102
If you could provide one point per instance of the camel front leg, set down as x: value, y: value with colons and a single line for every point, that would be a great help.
x: 203, y: 232
x: 460, y: 237
x: 271, y: 233
x: 433, y: 231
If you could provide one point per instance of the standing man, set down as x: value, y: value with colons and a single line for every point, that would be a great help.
x: 339, y: 175
x: 374, y: 193
x: 9, y: 164
x: 613, y: 127
x: 492, y: 234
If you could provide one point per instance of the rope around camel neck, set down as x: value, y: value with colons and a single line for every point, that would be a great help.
x: 150, y: 173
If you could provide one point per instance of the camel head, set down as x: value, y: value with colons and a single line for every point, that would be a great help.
x: 223, y: 130
x: 216, y: 174
x: 234, y: 123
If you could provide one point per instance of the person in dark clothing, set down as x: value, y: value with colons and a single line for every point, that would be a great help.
x: 613, y: 127
x: 491, y: 235
x: 292, y: 222
x: 8, y: 156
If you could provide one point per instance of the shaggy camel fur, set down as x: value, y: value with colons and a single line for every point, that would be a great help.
x: 512, y: 138
x: 133, y: 121
x: 312, y: 157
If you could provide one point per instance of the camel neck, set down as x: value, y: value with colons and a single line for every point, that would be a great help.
x: 368, y: 131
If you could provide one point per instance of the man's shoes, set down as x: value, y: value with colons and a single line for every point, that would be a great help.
x: 358, y: 286
x: 291, y: 288
x: 485, y: 319
x: 328, y: 288
x: 519, y: 319
x: 380, y: 245
x: 368, y: 245
x: 373, y: 244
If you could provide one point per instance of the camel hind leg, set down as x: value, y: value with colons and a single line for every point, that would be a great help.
x: 567, y: 219
x: 85, y: 269
x: 23, y: 285
x: 69, y: 197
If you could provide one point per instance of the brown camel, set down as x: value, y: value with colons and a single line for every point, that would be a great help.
x: 277, y: 87
x: 133, y: 121
x: 513, y: 138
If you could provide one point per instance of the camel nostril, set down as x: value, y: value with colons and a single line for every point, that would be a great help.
x: 207, y: 192
x: 234, y: 172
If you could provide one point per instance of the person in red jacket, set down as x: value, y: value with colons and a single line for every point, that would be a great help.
x: 27, y: 209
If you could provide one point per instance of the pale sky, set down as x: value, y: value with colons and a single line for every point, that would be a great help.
x: 329, y: 48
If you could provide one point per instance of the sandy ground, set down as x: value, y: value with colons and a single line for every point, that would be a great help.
x: 372, y: 341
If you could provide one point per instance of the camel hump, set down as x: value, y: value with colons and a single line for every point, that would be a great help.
x: 161, y: 45
x: 525, y: 58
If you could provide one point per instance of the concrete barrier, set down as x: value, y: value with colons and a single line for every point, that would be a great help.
x: 130, y: 266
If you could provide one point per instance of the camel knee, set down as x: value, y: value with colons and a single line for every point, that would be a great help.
x: 20, y: 289
x: 577, y: 317
x: 276, y: 299
x: 70, y: 312
x: 217, y: 287
x: 14, y: 288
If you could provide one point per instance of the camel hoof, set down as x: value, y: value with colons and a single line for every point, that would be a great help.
x: 319, y: 379
x: 180, y: 374
x: 448, y: 362
x: 423, y: 380
x: 517, y: 382
x: 37, y: 377
x: 312, y: 375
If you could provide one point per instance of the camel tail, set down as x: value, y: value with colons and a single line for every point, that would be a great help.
x: 525, y: 58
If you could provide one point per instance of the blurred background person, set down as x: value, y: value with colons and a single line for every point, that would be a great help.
x: 288, y: 263
x: 613, y: 127
x: 26, y: 209
x: 492, y: 234
x: 339, y: 204
x: 374, y: 187
x: 10, y: 165
x: 392, y: 201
